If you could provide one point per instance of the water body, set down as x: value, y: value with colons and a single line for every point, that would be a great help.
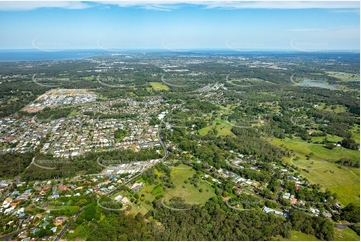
x: 310, y: 83
x: 38, y: 55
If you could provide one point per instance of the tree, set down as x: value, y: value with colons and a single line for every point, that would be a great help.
x: 349, y: 143
x: 351, y: 213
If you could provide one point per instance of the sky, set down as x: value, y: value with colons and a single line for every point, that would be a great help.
x: 180, y: 25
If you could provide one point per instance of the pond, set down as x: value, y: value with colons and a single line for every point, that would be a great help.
x: 310, y: 83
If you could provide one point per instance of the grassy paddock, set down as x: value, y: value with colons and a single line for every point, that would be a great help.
x: 157, y: 86
x: 344, y: 181
x: 302, y: 148
x: 346, y: 235
x: 187, y: 191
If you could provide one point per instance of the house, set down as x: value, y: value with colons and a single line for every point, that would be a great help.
x: 23, y: 235
x: 59, y: 220
x: 286, y: 196
x: 21, y: 216
x: 35, y: 230
x: 315, y: 211
x: 53, y: 229
x: 270, y: 210
x: 28, y: 191
x: 293, y: 201
x: 118, y: 198
x: 63, y: 188
x: 46, y: 223
x: 327, y: 214
x: 13, y: 204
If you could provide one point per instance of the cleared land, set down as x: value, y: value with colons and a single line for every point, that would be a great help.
x: 346, y: 234
x: 157, y: 86
x: 302, y: 148
x: 344, y: 76
x: 187, y: 191
x: 333, y: 108
x: 345, y: 181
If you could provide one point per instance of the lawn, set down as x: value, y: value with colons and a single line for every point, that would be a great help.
x: 346, y: 234
x: 157, y: 86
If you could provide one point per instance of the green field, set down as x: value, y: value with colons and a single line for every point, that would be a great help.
x: 344, y: 76
x: 302, y: 148
x: 345, y: 181
x: 157, y: 86
x: 340, y: 179
x: 346, y: 234
x: 187, y: 191
x: 356, y: 134
x: 223, y: 128
x: 297, y: 236
x: 332, y: 108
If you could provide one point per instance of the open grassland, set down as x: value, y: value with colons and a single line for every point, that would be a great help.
x: 344, y: 181
x: 222, y: 127
x: 344, y: 76
x: 302, y: 148
x: 188, y: 191
x: 332, y: 138
x: 332, y: 108
x: 340, y: 235
x: 346, y: 235
x: 157, y: 86
x: 356, y: 133
x: 299, y: 236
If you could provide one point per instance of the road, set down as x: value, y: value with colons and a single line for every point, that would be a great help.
x: 166, y: 152
x: 8, y: 236
x: 344, y: 226
x: 67, y: 225
x: 279, y: 191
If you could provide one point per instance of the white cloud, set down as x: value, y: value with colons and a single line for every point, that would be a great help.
x: 25, y: 5
x: 241, y: 4
x: 167, y: 5
x: 282, y: 5
x: 346, y: 11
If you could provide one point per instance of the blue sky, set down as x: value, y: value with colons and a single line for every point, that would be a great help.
x: 180, y: 26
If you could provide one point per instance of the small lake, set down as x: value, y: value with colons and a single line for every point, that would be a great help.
x: 310, y: 83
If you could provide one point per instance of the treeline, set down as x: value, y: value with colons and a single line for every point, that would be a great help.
x: 348, y: 162
x: 54, y: 113
x: 320, y: 227
x: 16, y: 95
x: 13, y: 164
